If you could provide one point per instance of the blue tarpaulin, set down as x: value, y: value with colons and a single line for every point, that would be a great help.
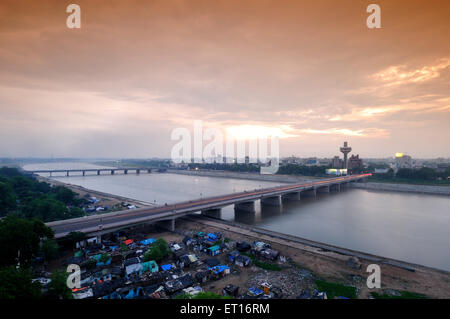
x: 219, y: 269
x: 148, y: 241
x: 166, y: 267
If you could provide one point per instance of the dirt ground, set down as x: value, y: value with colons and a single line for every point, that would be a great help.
x: 325, y: 265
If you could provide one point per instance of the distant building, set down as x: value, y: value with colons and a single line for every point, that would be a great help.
x: 402, y: 161
x: 381, y: 170
x: 345, y: 150
x: 312, y: 162
x: 354, y: 162
x: 336, y: 162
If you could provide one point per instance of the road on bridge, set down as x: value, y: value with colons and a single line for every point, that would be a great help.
x: 103, y: 222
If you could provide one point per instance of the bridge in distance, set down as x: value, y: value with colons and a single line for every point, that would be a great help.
x: 166, y: 215
x: 98, y: 171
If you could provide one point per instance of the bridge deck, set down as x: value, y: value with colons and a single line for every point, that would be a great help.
x: 115, y: 220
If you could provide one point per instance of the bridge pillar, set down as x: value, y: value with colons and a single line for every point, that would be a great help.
x: 167, y: 224
x: 98, y: 172
x: 125, y: 171
x: 50, y: 174
x: 323, y: 189
x: 336, y: 187
x: 310, y: 193
x: 271, y: 201
x: 214, y: 213
x: 67, y: 173
x: 138, y: 171
x: 112, y: 172
x: 292, y: 196
x: 245, y: 206
x: 99, y: 239
x: 149, y: 170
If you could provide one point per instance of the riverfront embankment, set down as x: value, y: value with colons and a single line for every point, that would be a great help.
x: 409, y: 188
x: 332, y: 263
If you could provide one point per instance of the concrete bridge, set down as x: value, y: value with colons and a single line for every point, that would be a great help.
x: 165, y: 215
x: 98, y: 171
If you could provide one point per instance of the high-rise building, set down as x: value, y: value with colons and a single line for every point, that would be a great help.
x: 345, y: 150
x: 336, y: 162
x: 354, y: 162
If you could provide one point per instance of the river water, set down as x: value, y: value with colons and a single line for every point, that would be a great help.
x: 404, y: 226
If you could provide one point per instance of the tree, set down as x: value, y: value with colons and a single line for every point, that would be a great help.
x: 75, y: 237
x: 65, y: 195
x: 7, y: 199
x: 17, y: 284
x: 50, y: 249
x: 45, y: 208
x: 57, y: 288
x: 20, y: 239
x: 158, y: 251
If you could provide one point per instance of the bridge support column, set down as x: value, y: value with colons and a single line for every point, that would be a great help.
x: 125, y: 171
x: 336, y: 187
x: 309, y: 193
x: 84, y: 173
x: 167, y: 224
x: 271, y: 201
x: 292, y: 196
x: 99, y: 239
x: 67, y: 173
x: 323, y: 189
x: 112, y: 172
x: 98, y: 172
x: 138, y: 171
x: 214, y: 213
x: 245, y: 206
x: 149, y: 170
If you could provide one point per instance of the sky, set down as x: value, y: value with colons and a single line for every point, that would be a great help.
x: 309, y: 70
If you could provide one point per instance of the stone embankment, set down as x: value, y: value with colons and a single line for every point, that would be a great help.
x: 391, y: 187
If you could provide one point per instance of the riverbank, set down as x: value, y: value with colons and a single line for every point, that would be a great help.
x: 409, y: 188
x: 333, y: 263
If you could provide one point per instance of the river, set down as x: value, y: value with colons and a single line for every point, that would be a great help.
x: 403, y: 226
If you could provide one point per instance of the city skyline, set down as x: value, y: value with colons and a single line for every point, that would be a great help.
x: 311, y: 72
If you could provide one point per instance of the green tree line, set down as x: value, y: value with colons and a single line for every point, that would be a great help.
x: 26, y: 197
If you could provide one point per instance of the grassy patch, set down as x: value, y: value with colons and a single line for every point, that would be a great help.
x: 262, y: 264
x: 404, y: 295
x: 335, y: 289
